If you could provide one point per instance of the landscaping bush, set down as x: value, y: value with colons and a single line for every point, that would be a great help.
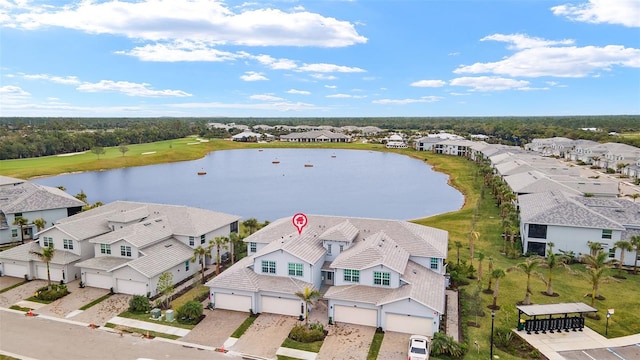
x: 139, y: 304
x: 307, y: 333
x: 56, y: 292
x: 190, y: 312
x: 445, y: 345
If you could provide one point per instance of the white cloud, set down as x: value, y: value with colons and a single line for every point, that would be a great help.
x: 424, y: 99
x: 323, y: 77
x: 298, y: 92
x: 276, y: 64
x: 537, y: 57
x: 64, y: 80
x: 428, y: 83
x: 197, y: 20
x: 265, y: 97
x: 277, y: 106
x: 489, y: 83
x: 130, y: 89
x: 329, y: 68
x: 346, y: 96
x: 330, y: 86
x: 624, y: 12
x: 253, y: 76
x: 10, y: 94
x: 180, y: 51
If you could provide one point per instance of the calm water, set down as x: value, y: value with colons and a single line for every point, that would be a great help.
x: 248, y: 184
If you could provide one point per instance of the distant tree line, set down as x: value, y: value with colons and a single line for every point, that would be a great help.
x: 34, y: 137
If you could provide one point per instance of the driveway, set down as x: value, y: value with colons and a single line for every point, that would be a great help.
x: 8, y: 281
x: 20, y: 293
x: 76, y: 298
x: 100, y: 313
x: 265, y: 335
x: 216, y: 328
x: 346, y: 341
x: 394, y: 346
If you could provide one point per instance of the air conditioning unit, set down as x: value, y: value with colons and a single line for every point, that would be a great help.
x: 156, y: 314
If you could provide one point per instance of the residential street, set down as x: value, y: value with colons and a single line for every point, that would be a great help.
x: 39, y: 338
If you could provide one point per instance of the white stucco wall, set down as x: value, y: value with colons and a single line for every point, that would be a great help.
x: 366, y: 277
x: 571, y: 238
x: 282, y: 259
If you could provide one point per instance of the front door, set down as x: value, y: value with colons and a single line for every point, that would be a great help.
x: 328, y: 277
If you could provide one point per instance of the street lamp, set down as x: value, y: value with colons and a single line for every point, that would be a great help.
x: 493, y: 316
x: 606, y: 328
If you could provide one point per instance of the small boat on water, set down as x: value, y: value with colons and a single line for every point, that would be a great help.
x: 260, y: 150
x: 202, y: 172
x: 308, y: 165
x: 276, y: 161
x: 333, y: 156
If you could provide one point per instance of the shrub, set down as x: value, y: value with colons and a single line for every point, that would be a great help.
x: 56, y: 292
x: 190, y: 312
x: 307, y: 334
x: 445, y: 345
x: 139, y: 304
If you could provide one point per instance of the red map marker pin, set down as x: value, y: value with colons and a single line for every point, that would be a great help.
x: 299, y: 221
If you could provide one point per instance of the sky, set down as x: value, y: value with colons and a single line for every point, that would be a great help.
x: 323, y: 58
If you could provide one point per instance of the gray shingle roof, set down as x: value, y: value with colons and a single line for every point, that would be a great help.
x: 26, y: 197
x: 345, y: 231
x: 161, y: 257
x: 104, y: 263
x: 238, y: 277
x: 23, y: 253
x: 139, y: 235
x: 374, y: 250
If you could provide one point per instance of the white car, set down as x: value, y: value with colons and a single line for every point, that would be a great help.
x: 418, y: 347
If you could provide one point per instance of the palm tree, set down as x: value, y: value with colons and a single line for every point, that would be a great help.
x: 21, y: 222
x: 82, y: 197
x: 488, y: 290
x: 528, y: 267
x: 46, y: 255
x: 552, y: 262
x: 624, y: 246
x: 234, y: 239
x: 251, y: 224
x: 40, y: 223
x: 473, y: 237
x: 309, y: 296
x: 635, y: 196
x: 480, y: 258
x: 594, y: 247
x: 635, y: 241
x: 496, y: 274
x: 458, y: 245
x: 199, y: 253
x: 596, y: 266
x: 218, y: 242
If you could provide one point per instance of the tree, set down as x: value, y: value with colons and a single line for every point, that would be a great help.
x: 82, y: 196
x: 309, y: 296
x: 480, y: 258
x: 46, y: 254
x: 634, y: 196
x: 165, y: 287
x: 458, y: 245
x: 234, y: 239
x: 496, y: 274
x: 199, y: 253
x: 596, y: 267
x: 251, y: 224
x: 190, y: 312
x: 98, y: 150
x: 528, y: 267
x: 552, y: 262
x: 218, y: 242
x: 21, y: 222
x: 635, y: 241
x: 40, y: 223
x: 123, y: 149
x: 624, y: 246
x: 488, y: 290
x: 594, y: 247
x: 473, y: 237
x: 61, y: 188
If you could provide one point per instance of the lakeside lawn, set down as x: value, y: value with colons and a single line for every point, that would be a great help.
x: 619, y: 295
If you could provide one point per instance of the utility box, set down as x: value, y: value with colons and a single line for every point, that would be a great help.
x: 156, y: 313
x: 168, y: 315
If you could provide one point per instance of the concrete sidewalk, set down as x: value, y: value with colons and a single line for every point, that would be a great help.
x: 145, y: 325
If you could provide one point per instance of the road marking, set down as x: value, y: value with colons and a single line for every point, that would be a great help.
x: 615, y: 353
x: 590, y: 357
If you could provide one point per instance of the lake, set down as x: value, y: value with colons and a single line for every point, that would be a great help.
x: 247, y: 183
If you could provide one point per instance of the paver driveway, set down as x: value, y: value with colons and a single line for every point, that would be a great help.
x: 346, y: 341
x: 100, y: 313
x: 216, y: 328
x: 20, y: 293
x: 265, y: 335
x: 7, y: 281
x: 394, y: 346
x: 76, y: 298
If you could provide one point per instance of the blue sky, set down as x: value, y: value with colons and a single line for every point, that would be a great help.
x: 326, y: 58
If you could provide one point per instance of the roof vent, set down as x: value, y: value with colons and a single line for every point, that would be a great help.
x: 168, y: 245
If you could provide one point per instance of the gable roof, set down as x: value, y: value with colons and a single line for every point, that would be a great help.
x: 23, y: 253
x: 377, y: 249
x: 160, y: 257
x: 139, y: 234
x: 27, y: 197
x: 344, y: 231
x: 305, y: 247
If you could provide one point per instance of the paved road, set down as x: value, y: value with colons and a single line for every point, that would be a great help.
x: 39, y: 338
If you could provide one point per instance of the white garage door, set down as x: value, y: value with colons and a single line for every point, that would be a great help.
x: 281, y: 306
x: 41, y: 271
x: 131, y: 287
x: 99, y: 280
x: 354, y: 315
x: 409, y: 324
x: 16, y: 270
x: 232, y: 302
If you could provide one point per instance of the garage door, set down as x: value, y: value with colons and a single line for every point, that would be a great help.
x: 276, y: 305
x: 16, y: 270
x: 41, y: 271
x: 99, y: 280
x: 131, y: 287
x: 232, y: 302
x: 354, y: 315
x: 409, y: 324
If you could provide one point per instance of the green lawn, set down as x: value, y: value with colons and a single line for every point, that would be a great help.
x: 311, y: 347
x: 145, y: 332
x: 147, y: 318
x: 96, y: 301
x: 244, y: 326
x: 193, y: 293
x: 374, y: 349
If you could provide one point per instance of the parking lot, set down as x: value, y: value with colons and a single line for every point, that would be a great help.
x: 630, y: 352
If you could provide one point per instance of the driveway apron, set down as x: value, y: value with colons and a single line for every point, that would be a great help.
x: 216, y: 328
x: 346, y: 341
x: 265, y: 335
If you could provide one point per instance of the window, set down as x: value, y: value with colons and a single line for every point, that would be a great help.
x: 186, y: 265
x: 192, y: 241
x: 329, y: 249
x: 14, y: 232
x: 351, y: 275
x: 105, y: 249
x: 295, y: 269
x: 233, y: 227
x: 341, y: 248
x: 606, y: 233
x: 202, y: 240
x: 434, y: 263
x: 381, y: 278
x: 268, y: 267
x: 125, y: 250
x: 612, y: 252
x: 537, y: 231
x: 47, y: 241
x: 16, y: 215
x: 253, y: 247
x: 67, y: 244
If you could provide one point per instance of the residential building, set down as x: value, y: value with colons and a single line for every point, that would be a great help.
x: 315, y: 136
x: 381, y: 273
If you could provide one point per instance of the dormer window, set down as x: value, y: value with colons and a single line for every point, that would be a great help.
x: 329, y: 249
x: 125, y: 251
